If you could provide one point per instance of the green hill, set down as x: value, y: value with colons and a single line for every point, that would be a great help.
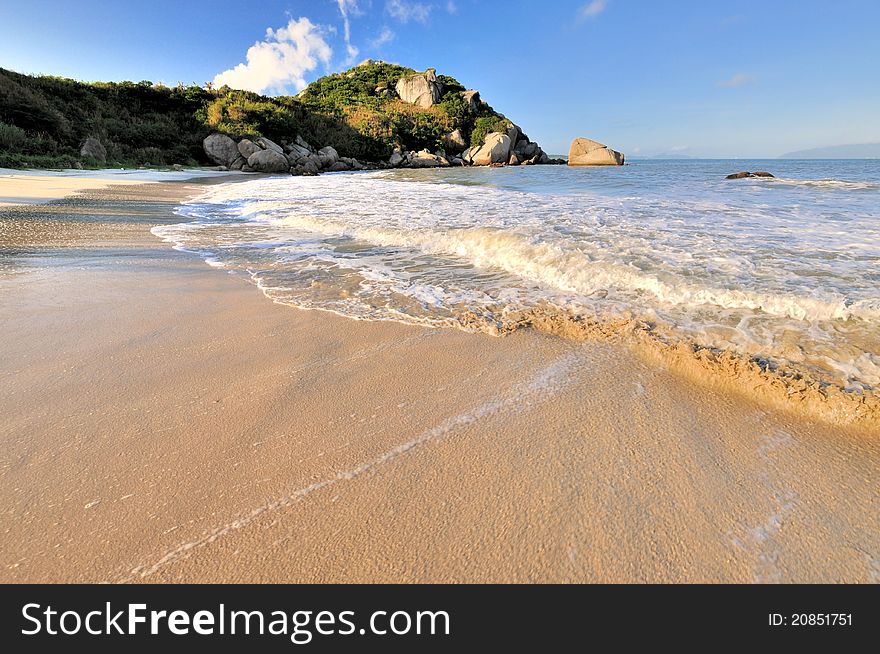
x: 45, y: 120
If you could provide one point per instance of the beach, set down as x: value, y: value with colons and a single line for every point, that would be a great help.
x: 163, y: 421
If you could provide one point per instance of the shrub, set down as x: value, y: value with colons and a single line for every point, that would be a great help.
x: 11, y: 137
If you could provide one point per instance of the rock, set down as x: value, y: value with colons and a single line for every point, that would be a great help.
x: 300, y: 141
x: 526, y: 149
x: 495, y: 149
x: 763, y: 174
x: 221, y: 149
x: 309, y: 167
x: 455, y: 141
x: 742, y: 175
x: 78, y: 165
x: 425, y: 159
x: 328, y: 156
x: 528, y: 162
x: 513, y: 135
x: 177, y: 168
x: 238, y: 164
x: 93, y: 148
x: 297, y: 152
x: 247, y: 169
x: 338, y: 167
x: 266, y: 144
x: 396, y: 158
x: 472, y: 98
x: 585, y: 152
x: 268, y: 161
x: 542, y: 158
x: 420, y: 89
x: 514, y: 160
x: 246, y: 148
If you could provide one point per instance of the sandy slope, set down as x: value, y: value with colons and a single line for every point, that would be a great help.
x: 162, y: 421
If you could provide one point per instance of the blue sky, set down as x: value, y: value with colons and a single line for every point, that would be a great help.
x: 646, y: 77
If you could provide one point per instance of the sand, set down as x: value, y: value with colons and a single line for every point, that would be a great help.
x: 164, y: 422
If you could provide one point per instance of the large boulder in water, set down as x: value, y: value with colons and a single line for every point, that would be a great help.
x: 586, y: 152
x: 268, y: 161
x: 221, y: 149
x: 421, y: 89
x: 495, y: 150
x: 93, y: 148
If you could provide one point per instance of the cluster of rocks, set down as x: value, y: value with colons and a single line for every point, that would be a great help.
x: 265, y: 156
x: 745, y: 175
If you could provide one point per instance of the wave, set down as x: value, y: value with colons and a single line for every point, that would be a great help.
x: 824, y: 183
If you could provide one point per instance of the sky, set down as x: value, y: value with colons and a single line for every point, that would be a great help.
x: 678, y: 77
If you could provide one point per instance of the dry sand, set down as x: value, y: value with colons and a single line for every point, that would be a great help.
x: 163, y: 421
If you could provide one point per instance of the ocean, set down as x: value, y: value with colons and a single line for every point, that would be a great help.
x: 785, y: 271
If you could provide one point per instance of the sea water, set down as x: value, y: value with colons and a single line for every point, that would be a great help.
x: 785, y: 268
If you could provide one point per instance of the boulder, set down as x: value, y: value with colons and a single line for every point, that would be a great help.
x: 454, y: 141
x: 221, y: 149
x: 238, y: 164
x: 94, y: 149
x: 396, y: 158
x: 526, y: 149
x: 742, y: 175
x: 297, y: 152
x: 585, y: 152
x: 513, y: 134
x: 301, y: 142
x: 308, y: 167
x: 338, y: 167
x: 266, y: 144
x: 763, y: 174
x: 420, y: 89
x: 246, y: 148
x: 472, y: 98
x: 514, y: 160
x: 327, y: 156
x: 495, y: 150
x: 268, y: 161
x: 425, y: 159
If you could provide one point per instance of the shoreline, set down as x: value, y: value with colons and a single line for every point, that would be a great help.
x: 166, y: 422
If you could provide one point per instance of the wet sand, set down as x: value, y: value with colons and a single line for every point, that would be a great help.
x: 164, y: 422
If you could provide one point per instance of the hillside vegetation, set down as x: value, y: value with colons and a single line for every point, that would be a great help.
x: 45, y: 120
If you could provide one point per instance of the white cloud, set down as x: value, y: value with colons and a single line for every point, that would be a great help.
x: 347, y: 7
x: 405, y: 11
x: 451, y: 7
x: 591, y: 9
x: 740, y: 79
x: 385, y: 36
x: 281, y: 60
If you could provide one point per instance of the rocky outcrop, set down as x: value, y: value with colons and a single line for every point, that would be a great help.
x: 586, y: 152
x: 221, y: 149
x: 472, y: 98
x: 454, y: 141
x: 268, y: 161
x: 421, y: 89
x: 745, y: 175
x: 94, y: 149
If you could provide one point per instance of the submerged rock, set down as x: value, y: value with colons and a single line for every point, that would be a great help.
x: 746, y: 175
